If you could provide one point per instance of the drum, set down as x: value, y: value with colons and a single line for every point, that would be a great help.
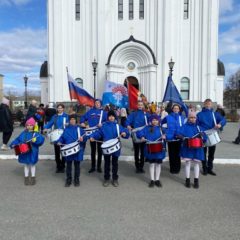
x: 70, y: 149
x: 134, y: 134
x: 212, y: 138
x: 194, y: 142
x: 22, y: 148
x: 55, y: 135
x: 111, y: 146
x: 154, y: 147
x: 89, y: 131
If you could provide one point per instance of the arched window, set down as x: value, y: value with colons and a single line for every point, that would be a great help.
x: 141, y: 9
x: 77, y: 10
x: 120, y: 9
x: 80, y: 82
x: 186, y: 9
x: 130, y: 9
x: 185, y: 87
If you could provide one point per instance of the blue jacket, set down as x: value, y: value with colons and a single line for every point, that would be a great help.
x: 32, y: 156
x: 151, y: 136
x: 205, y: 119
x: 174, y: 122
x: 188, y: 130
x: 92, y: 117
x: 70, y: 135
x: 109, y: 131
x: 57, y: 121
x: 136, y: 119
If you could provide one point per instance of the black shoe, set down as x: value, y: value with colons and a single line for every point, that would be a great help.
x: 76, y: 183
x: 196, y: 183
x: 138, y: 171
x: 151, y: 184
x: 91, y: 170
x: 235, y: 142
x: 204, y: 172
x: 115, y: 183
x: 142, y: 171
x: 106, y: 183
x: 99, y: 170
x: 212, y: 173
x: 158, y: 183
x: 187, y: 183
x: 68, y: 183
x: 59, y: 170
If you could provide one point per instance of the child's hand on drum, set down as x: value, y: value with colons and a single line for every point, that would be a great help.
x: 123, y: 134
x: 164, y: 137
x: 218, y: 126
x: 143, y: 139
x: 34, y: 139
x: 80, y: 139
x: 59, y: 144
x: 91, y: 139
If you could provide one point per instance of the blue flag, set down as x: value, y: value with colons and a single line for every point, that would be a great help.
x: 172, y: 94
x: 115, y: 94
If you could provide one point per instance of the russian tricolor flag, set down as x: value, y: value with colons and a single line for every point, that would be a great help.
x: 82, y: 96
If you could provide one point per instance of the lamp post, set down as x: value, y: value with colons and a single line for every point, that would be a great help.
x: 94, y: 65
x: 25, y: 82
x: 171, y: 64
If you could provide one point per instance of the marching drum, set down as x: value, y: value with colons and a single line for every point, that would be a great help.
x: 212, y: 138
x: 134, y: 134
x: 111, y: 146
x: 154, y: 147
x: 22, y: 148
x: 194, y: 142
x: 55, y: 135
x: 89, y: 131
x: 70, y: 149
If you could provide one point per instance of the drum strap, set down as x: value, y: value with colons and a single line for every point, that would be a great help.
x: 118, y: 131
x: 214, y: 119
x: 100, y: 119
x: 145, y: 117
x: 78, y: 131
x: 64, y: 122
x: 180, y: 121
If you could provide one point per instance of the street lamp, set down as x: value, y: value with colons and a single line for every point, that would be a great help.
x: 25, y: 82
x: 94, y: 65
x: 171, y: 64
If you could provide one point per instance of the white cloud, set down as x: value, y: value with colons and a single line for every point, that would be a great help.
x: 226, y: 6
x: 21, y: 50
x: 14, y: 2
x: 231, y: 18
x: 229, y: 41
x: 231, y: 68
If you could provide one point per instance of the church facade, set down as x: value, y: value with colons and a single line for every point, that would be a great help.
x: 134, y: 40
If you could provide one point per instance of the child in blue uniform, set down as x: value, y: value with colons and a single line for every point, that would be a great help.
x: 110, y: 130
x: 30, y: 158
x: 73, y: 133
x: 194, y: 155
x: 153, y: 133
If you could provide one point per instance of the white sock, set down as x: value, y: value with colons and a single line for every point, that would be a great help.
x: 33, y: 170
x: 151, y: 170
x: 26, y: 170
x: 187, y: 168
x: 158, y: 170
x: 196, y: 169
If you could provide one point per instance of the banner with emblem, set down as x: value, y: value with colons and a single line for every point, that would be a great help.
x: 115, y: 94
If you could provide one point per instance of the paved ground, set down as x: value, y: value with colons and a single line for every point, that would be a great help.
x: 131, y: 211
x: 225, y: 150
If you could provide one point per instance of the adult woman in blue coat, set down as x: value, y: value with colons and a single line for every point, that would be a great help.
x: 153, y: 133
x: 190, y: 130
x: 110, y: 130
x: 71, y: 134
x: 30, y: 158
x: 174, y: 121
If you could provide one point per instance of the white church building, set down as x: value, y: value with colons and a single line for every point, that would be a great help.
x: 134, y: 40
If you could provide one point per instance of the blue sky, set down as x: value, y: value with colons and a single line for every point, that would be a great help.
x: 23, y: 40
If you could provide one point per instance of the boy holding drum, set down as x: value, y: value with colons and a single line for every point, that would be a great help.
x: 154, y: 150
x: 73, y: 133
x: 27, y: 144
x: 192, y: 147
x: 110, y: 130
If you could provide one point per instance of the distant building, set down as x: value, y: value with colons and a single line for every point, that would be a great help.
x: 134, y: 40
